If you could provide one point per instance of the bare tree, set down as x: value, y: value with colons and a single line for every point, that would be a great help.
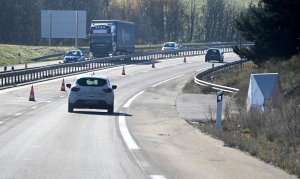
x: 174, y: 19
x: 193, y: 16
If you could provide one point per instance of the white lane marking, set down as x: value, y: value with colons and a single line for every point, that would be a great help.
x: 34, y: 107
x: 125, y: 133
x: 18, y: 114
x: 157, y: 177
x: 203, y: 69
x: 62, y: 96
x: 127, y: 104
x: 131, y: 144
x: 1, y: 122
x: 166, y: 80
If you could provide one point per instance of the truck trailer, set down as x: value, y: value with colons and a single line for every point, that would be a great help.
x: 111, y: 38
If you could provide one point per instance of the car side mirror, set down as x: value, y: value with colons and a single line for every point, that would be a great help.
x: 68, y: 85
x: 114, y: 86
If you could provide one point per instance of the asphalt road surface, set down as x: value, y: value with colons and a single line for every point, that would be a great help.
x: 146, y: 137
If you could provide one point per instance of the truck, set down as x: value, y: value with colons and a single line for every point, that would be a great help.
x: 111, y: 38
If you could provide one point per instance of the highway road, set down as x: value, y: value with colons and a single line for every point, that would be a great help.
x: 144, y: 138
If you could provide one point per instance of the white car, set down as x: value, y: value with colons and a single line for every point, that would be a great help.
x: 91, y: 92
x: 168, y: 46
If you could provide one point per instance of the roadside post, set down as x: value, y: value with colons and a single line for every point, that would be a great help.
x: 219, y: 110
x: 19, y: 58
x: 212, y: 66
x: 12, y: 68
x: 212, y: 79
x: 5, y: 68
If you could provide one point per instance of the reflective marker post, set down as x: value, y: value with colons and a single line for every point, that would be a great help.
x: 219, y: 110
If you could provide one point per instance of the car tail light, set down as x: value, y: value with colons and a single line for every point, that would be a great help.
x: 107, y: 90
x: 75, y: 89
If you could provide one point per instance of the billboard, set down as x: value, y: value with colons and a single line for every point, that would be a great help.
x: 63, y: 24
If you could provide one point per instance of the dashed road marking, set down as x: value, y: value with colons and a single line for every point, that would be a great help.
x: 157, y: 177
x: 166, y: 80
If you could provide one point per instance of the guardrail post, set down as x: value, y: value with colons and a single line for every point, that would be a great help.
x: 5, y: 68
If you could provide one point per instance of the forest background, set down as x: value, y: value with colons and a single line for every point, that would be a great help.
x: 156, y: 21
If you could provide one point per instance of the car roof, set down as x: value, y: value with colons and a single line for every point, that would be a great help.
x: 94, y: 76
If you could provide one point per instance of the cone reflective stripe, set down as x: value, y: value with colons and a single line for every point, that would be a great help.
x: 184, y: 59
x: 31, y: 96
x: 63, y: 86
x: 153, y: 66
x: 123, y: 71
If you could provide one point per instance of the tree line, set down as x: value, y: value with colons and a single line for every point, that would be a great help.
x: 156, y: 20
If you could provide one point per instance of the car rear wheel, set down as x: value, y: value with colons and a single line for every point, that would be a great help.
x: 70, y: 108
x: 110, y: 109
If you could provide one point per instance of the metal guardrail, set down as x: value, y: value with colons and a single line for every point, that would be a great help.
x: 29, y: 75
x: 150, y: 48
x: 215, y: 86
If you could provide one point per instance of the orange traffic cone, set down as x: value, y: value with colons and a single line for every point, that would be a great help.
x: 123, y: 71
x: 153, y: 66
x: 184, y: 59
x: 63, y: 86
x: 31, y: 96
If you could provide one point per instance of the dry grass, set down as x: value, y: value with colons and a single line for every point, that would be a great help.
x: 272, y: 136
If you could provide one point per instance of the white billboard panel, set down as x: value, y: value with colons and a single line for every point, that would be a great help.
x: 63, y: 24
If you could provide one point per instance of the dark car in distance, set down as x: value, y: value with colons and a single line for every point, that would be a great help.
x: 214, y: 54
x: 74, y: 56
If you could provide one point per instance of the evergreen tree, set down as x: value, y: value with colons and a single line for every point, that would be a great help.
x: 274, y: 27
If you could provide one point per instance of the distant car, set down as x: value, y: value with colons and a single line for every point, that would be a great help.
x: 91, y: 92
x: 74, y: 56
x: 168, y: 46
x: 214, y: 54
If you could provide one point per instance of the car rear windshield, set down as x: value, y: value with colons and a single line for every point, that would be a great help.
x: 213, y: 51
x: 91, y: 82
x: 73, y: 54
x: 169, y: 45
